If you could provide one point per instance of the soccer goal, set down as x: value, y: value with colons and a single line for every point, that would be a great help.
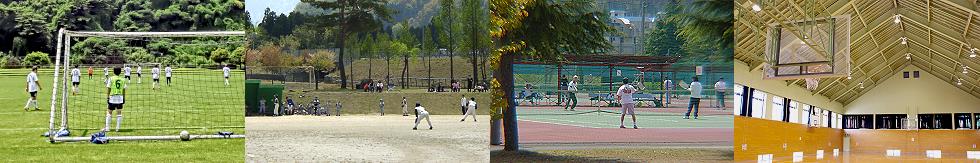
x: 161, y: 100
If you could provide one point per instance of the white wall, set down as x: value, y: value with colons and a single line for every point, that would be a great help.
x: 745, y: 76
x: 928, y: 94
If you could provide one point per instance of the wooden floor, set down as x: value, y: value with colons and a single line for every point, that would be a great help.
x: 877, y: 157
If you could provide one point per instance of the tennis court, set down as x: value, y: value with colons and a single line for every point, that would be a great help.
x: 608, y: 117
x: 600, y: 126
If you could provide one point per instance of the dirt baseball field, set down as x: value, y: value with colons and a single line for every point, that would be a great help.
x: 366, y: 138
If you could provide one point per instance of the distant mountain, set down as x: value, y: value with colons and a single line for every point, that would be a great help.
x: 417, y: 12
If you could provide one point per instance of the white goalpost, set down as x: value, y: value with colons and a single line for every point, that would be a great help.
x: 196, y: 102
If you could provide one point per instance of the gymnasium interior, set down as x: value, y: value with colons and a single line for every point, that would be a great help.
x: 857, y: 81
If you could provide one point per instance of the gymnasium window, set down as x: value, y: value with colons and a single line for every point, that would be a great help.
x: 825, y: 120
x: 738, y: 99
x: 818, y: 117
x: 805, y: 115
x: 794, y: 113
x: 890, y: 121
x: 777, y: 108
x: 840, y: 121
x: 964, y: 121
x: 758, y: 104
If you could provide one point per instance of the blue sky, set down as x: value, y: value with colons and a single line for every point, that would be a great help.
x: 256, y: 8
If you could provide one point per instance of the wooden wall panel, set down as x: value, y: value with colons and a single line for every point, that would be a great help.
x: 953, y: 142
x: 761, y: 136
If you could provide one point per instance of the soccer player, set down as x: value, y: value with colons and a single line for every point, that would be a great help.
x: 156, y: 76
x: 106, y: 78
x: 404, y: 106
x: 382, y: 105
x: 625, y: 97
x: 139, y: 74
x: 75, y: 75
x: 695, y: 102
x: 89, y: 72
x: 471, y: 105
x: 128, y: 71
x: 116, y: 94
x: 572, y: 88
x: 720, y: 92
x: 420, y: 113
x: 226, y: 71
x: 167, y: 71
x: 462, y: 105
x: 33, y: 85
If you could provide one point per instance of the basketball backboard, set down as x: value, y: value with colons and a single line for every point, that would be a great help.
x: 811, y: 48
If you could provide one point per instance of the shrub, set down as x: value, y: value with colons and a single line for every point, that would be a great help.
x: 37, y: 58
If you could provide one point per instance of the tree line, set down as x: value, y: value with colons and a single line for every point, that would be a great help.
x: 349, y: 30
x: 31, y: 27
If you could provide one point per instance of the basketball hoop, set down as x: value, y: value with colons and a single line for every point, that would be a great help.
x: 812, y: 83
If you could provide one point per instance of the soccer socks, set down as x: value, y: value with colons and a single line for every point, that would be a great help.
x: 108, y: 119
x: 119, y: 121
x: 35, y: 104
x: 226, y: 82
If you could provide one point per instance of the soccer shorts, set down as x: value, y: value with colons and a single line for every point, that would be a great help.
x: 226, y: 77
x: 628, y: 108
x: 34, y: 94
x: 139, y: 75
x: 156, y: 80
x: 127, y: 77
x: 115, y: 106
x: 74, y: 83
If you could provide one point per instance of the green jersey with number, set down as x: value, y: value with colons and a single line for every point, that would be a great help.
x: 116, y: 85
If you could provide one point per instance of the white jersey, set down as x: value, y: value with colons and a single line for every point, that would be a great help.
x: 462, y: 102
x: 139, y: 70
x: 668, y: 84
x: 156, y: 73
x: 127, y: 71
x: 472, y: 105
x: 106, y: 71
x: 720, y: 86
x: 572, y: 86
x: 226, y: 70
x: 625, y: 93
x: 421, y: 110
x: 75, y: 74
x: 32, y: 82
x: 695, y: 89
x: 167, y: 71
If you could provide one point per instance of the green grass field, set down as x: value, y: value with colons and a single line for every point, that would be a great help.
x: 609, y: 118
x: 197, y: 99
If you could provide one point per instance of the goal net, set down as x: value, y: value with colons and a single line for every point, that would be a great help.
x: 160, y: 101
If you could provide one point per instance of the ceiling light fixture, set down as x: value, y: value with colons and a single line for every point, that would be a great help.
x: 959, y: 81
x: 973, y: 53
x: 908, y: 56
x: 756, y: 7
x: 861, y: 85
x: 898, y: 18
x: 904, y: 40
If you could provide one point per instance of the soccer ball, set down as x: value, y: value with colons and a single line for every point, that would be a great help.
x: 185, y: 136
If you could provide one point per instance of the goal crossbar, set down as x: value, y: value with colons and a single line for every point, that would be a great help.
x: 63, y: 58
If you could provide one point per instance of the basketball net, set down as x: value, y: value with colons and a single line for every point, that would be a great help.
x: 812, y: 83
